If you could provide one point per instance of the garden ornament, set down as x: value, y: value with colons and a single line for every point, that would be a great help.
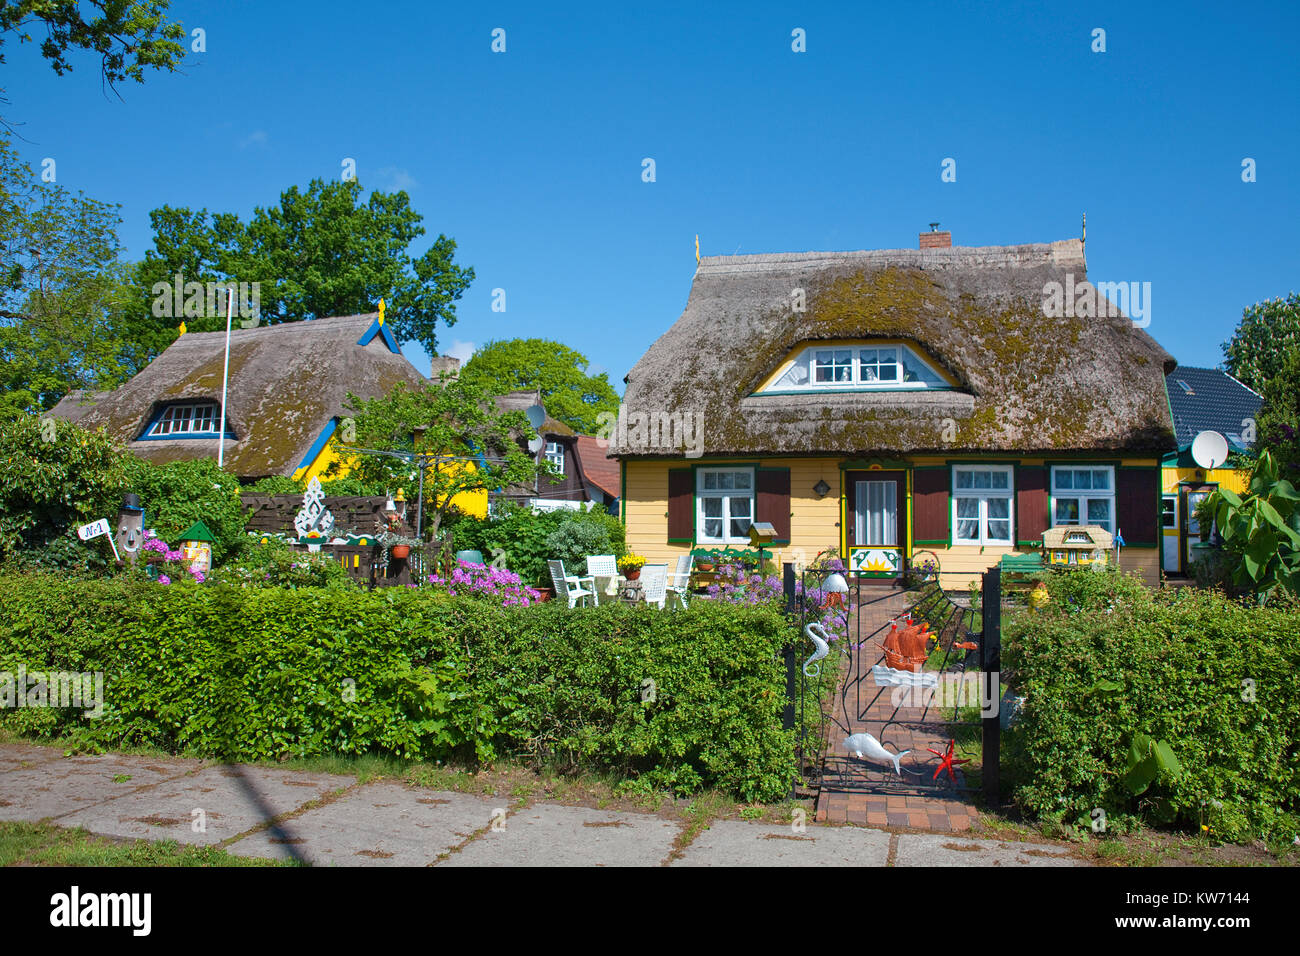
x: 130, y: 528
x: 867, y: 747
x: 836, y: 587
x: 817, y: 634
x: 1038, y: 597
x: 946, y: 761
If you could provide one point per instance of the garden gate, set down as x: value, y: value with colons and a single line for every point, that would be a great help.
x: 944, y: 719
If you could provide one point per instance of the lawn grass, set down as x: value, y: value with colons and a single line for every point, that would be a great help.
x: 44, y: 844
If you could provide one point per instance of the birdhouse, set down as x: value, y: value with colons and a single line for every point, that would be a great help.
x: 1078, y: 545
x: 196, y: 548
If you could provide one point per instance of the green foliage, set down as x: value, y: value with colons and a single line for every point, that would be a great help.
x: 274, y: 564
x: 1278, y: 425
x: 678, y: 701
x: 575, y: 539
x: 570, y: 394
x: 1268, y: 331
x: 323, y: 252
x: 177, y: 494
x: 128, y: 38
x: 47, y: 488
x: 275, y: 485
x: 1173, y: 706
x: 457, y: 418
x: 523, y: 539
x: 1261, y: 532
x: 62, y: 290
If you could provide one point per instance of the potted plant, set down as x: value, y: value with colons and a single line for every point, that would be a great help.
x: 630, y: 565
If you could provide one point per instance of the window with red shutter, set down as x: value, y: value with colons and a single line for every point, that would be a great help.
x: 772, y: 487
x: 1031, y: 504
x: 930, y: 508
x: 681, y: 506
x: 1137, y: 506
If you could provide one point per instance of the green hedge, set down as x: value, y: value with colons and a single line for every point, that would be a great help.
x: 1111, y: 660
x: 254, y: 673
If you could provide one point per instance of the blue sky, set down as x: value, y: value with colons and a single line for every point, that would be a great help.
x: 532, y: 159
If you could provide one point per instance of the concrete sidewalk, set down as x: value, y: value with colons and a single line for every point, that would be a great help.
x: 328, y: 819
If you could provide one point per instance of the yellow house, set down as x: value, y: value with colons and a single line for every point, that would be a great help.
x: 1200, y: 399
x: 897, y: 406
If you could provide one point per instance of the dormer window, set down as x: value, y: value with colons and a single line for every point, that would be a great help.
x: 857, y: 367
x: 555, y: 455
x: 185, y: 420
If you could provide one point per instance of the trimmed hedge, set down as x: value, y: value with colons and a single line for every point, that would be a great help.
x: 1111, y: 660
x: 254, y: 673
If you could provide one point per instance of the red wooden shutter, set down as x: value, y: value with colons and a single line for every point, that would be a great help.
x: 930, y: 506
x: 1032, y: 517
x: 772, y: 500
x: 1137, y: 505
x: 681, y: 506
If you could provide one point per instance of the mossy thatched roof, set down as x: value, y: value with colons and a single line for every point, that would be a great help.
x: 286, y: 382
x: 1026, y: 382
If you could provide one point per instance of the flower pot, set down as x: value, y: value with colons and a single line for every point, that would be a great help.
x: 400, y: 551
x: 632, y: 575
x: 705, y: 566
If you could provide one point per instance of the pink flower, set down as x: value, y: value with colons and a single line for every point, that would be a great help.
x: 163, y: 579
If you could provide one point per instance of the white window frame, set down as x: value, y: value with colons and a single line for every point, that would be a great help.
x: 983, y: 495
x: 857, y: 380
x: 1082, y: 495
x: 170, y: 413
x: 555, y: 455
x: 727, y: 495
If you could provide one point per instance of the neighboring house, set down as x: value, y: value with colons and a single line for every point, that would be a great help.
x: 587, y: 477
x: 890, y: 402
x: 1201, y: 399
x: 286, y: 391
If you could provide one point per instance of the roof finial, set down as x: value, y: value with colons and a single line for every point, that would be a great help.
x: 381, y: 311
x: 181, y: 331
x: 1083, y: 239
x: 934, y: 227
x: 697, y: 248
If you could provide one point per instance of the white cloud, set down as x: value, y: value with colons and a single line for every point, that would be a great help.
x: 255, y: 138
x: 394, y: 178
x: 461, y: 350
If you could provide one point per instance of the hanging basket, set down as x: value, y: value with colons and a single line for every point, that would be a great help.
x: 401, y: 551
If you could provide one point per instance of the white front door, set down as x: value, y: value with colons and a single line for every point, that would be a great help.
x: 1194, y: 498
x: 1169, y: 534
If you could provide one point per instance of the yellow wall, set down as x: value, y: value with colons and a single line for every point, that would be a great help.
x: 1238, y: 481
x: 815, y: 522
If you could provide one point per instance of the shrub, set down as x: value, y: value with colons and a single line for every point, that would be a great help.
x: 177, y: 494
x: 1210, y: 678
x: 275, y: 564
x: 576, y: 538
x: 477, y: 580
x: 678, y: 701
x: 523, y: 538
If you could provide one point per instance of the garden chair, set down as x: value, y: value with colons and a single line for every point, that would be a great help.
x: 603, y: 566
x: 570, y: 585
x: 654, y: 584
x: 679, y: 581
x: 470, y: 557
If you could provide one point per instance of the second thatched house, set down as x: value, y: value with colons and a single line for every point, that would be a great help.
x: 895, y: 405
x: 286, y: 392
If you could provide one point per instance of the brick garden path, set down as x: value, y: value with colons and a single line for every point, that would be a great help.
x: 869, y: 794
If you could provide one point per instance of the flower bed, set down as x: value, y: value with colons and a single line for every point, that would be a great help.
x: 479, y: 580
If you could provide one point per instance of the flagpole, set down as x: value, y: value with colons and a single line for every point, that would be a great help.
x: 225, y: 375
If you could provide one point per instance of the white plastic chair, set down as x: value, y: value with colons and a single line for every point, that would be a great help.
x: 654, y: 584
x: 570, y: 585
x: 603, y: 566
x: 679, y: 581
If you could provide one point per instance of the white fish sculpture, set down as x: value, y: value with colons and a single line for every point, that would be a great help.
x: 817, y: 634
x: 867, y: 747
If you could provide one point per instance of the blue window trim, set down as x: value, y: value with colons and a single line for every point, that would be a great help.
x: 181, y: 436
x: 326, y: 433
x: 377, y: 329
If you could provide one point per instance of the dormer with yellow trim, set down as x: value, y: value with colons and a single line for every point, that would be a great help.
x: 855, y: 365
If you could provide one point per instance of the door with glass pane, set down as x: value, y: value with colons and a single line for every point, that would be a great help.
x: 876, y: 501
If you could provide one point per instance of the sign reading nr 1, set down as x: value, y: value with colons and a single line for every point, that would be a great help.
x: 93, y: 530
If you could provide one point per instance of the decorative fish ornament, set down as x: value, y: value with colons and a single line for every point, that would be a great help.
x: 817, y: 634
x: 867, y: 747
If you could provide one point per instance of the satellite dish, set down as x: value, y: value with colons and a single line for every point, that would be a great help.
x: 536, y: 444
x: 536, y: 414
x: 1209, y: 449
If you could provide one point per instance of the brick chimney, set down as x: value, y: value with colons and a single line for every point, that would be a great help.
x: 934, y: 239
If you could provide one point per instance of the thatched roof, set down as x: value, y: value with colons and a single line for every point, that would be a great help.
x: 1027, y: 383
x: 286, y: 383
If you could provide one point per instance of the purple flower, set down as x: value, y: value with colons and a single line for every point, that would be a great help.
x: 163, y: 579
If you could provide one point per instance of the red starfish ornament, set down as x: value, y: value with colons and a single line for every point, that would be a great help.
x: 946, y: 761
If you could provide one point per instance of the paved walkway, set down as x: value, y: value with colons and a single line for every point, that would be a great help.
x: 857, y: 792
x: 328, y: 819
